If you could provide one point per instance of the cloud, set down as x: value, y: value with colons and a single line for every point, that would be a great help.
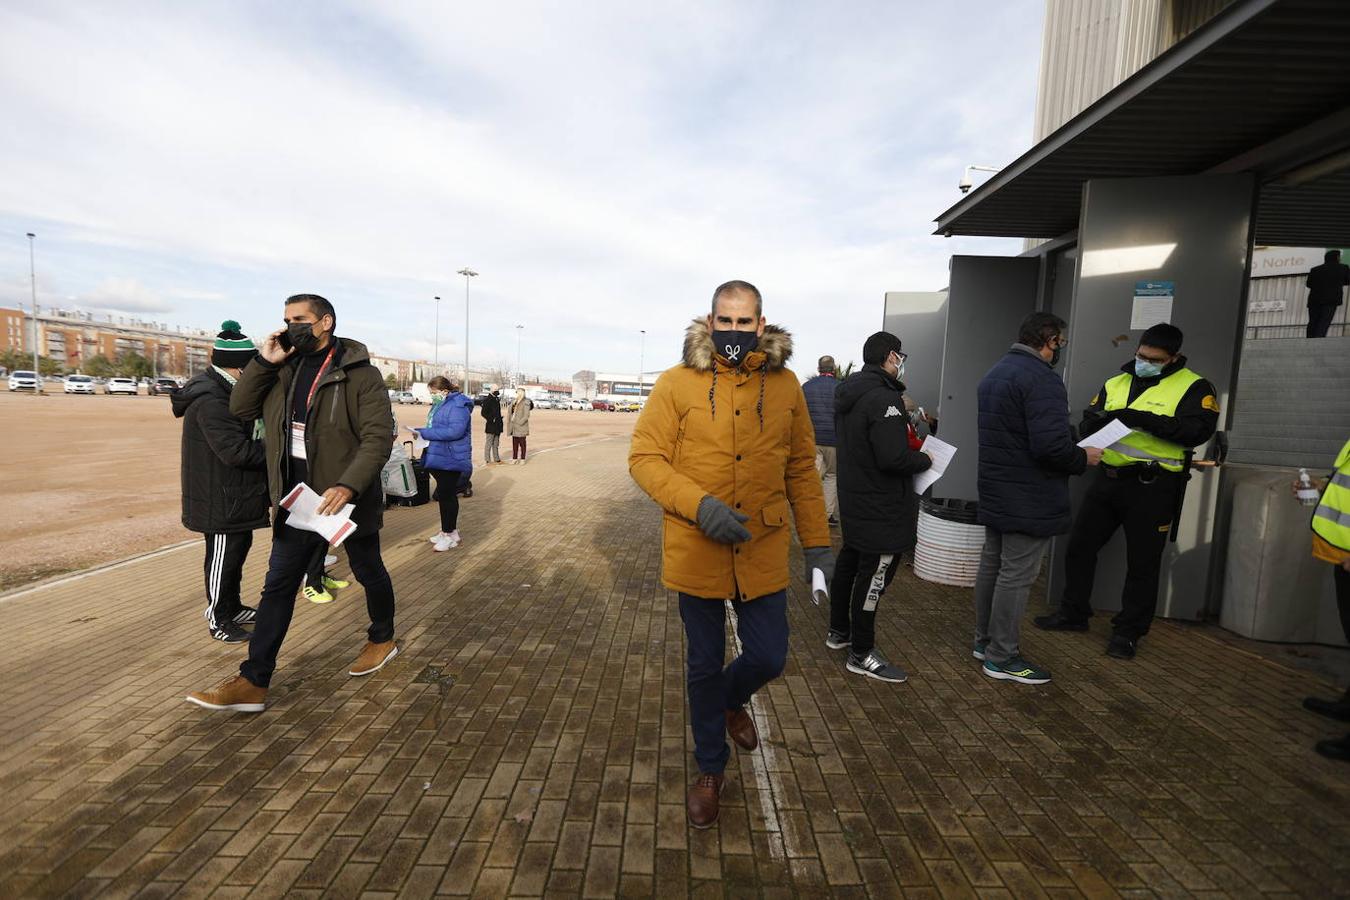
x: 602, y: 165
x: 122, y: 295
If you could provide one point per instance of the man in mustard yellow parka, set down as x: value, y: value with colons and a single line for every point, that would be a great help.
x: 725, y: 446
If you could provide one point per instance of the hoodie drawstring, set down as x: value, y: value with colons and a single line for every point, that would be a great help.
x: 759, y: 406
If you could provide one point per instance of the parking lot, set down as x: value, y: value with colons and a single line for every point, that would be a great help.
x: 85, y: 480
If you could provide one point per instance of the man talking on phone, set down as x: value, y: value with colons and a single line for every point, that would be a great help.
x: 327, y: 424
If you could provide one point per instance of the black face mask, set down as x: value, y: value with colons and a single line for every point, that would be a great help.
x: 734, y: 346
x: 302, y: 337
x: 1054, y: 356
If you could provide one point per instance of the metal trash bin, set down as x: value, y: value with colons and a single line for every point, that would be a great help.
x: 949, y: 544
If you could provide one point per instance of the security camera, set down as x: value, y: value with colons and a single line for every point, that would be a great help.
x: 965, y: 184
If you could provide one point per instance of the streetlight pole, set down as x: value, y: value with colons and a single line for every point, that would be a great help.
x: 642, y: 365
x: 437, y: 351
x: 519, y: 329
x: 32, y: 278
x: 467, y: 273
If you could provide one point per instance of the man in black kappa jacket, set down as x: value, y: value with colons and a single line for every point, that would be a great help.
x: 877, y: 505
x: 224, y: 480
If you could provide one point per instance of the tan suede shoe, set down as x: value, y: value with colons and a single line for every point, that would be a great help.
x: 237, y: 694
x: 705, y: 800
x: 742, y: 729
x: 373, y: 658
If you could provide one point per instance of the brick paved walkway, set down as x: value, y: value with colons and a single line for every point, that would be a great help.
x: 531, y: 740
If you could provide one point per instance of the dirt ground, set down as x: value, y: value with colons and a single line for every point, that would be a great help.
x: 89, y: 480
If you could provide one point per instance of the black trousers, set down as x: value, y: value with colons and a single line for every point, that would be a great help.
x: 315, y: 570
x: 1343, y: 598
x: 1319, y: 320
x: 1144, y: 510
x: 292, y: 552
x: 447, y: 496
x: 860, y: 578
x: 225, y: 556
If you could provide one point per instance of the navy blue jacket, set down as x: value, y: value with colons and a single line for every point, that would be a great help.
x: 1027, y: 447
x: 451, y: 447
x: 819, y: 393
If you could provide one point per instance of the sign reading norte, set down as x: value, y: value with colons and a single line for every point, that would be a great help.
x: 1268, y: 261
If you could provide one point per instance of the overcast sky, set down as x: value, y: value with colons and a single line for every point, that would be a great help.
x: 604, y: 165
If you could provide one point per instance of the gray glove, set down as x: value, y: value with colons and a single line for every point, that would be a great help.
x: 821, y: 558
x: 720, y: 522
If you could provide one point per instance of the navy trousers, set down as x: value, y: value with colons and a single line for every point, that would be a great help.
x: 762, y: 627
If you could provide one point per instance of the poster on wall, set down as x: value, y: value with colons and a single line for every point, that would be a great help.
x: 1152, y: 304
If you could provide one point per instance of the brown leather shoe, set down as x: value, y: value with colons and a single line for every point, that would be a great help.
x: 705, y: 798
x: 373, y: 658
x: 237, y: 694
x: 742, y: 729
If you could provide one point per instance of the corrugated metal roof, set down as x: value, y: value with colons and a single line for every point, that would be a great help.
x: 1259, y: 71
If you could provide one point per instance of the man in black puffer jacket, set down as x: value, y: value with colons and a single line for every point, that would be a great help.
x: 1027, y: 453
x: 224, y: 480
x: 877, y: 505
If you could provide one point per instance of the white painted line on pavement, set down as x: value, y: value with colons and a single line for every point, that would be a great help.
x: 769, y: 789
x: 570, y: 446
x: 99, y: 570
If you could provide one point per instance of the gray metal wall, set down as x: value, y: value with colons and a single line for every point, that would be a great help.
x: 919, y: 319
x: 1208, y: 221
x: 989, y: 298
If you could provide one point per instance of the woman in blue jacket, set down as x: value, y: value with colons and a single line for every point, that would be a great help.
x: 450, y: 453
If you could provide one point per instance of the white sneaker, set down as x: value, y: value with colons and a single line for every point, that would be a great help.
x: 436, y: 537
x: 442, y: 543
x: 454, y: 538
x: 330, y: 560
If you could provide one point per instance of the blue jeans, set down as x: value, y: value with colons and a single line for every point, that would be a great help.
x: 763, y: 629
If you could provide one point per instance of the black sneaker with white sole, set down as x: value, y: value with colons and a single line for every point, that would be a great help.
x: 230, y: 633
x: 836, y: 640
x: 874, y: 665
x: 245, y: 616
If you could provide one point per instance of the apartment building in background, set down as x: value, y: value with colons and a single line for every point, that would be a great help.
x: 73, y: 337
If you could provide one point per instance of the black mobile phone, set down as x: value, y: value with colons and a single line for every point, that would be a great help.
x: 284, y: 339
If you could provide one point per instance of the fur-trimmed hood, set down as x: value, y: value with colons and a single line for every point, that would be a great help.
x: 775, y: 345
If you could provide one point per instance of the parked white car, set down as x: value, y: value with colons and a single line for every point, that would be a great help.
x: 120, y: 386
x: 79, y: 384
x: 23, y: 380
x: 578, y: 404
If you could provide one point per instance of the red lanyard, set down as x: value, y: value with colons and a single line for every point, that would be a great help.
x: 315, y: 384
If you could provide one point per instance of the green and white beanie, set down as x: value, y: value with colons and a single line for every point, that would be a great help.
x: 232, y: 350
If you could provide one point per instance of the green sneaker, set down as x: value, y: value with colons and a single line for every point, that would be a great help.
x: 334, y: 584
x: 313, y: 595
x: 1016, y: 669
x: 978, y: 650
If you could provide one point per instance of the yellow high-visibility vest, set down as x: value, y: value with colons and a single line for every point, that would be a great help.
x: 1331, y: 519
x: 1161, y: 400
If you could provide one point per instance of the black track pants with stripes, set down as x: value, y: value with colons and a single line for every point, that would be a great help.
x: 860, y: 578
x: 225, y: 555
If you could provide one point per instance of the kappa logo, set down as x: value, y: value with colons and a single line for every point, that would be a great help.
x: 892, y: 411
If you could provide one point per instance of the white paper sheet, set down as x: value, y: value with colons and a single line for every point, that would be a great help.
x: 302, y: 507
x: 419, y: 443
x: 1109, y: 434
x: 819, y: 589
x: 942, y: 453
x: 1149, y: 311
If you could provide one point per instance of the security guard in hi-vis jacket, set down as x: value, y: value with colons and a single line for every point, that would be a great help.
x: 1140, y: 483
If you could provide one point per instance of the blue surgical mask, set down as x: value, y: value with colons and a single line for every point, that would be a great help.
x: 1145, y: 369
